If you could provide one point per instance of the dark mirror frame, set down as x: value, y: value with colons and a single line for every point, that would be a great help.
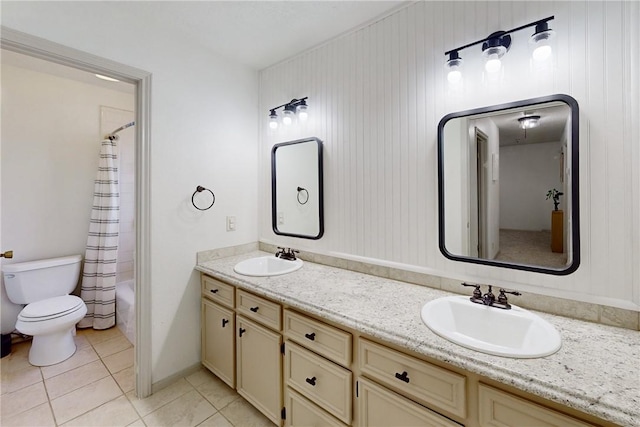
x: 274, y: 213
x: 575, y: 204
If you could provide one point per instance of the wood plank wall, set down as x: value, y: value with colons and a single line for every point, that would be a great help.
x: 376, y: 96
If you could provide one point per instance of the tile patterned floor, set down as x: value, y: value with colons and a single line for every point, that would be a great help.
x: 95, y: 387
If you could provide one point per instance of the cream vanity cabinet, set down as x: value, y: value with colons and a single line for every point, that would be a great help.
x: 317, y: 372
x: 218, y: 329
x: 242, y: 344
x: 327, y: 375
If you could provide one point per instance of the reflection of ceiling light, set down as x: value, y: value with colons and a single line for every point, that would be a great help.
x: 529, y: 122
x: 109, y: 79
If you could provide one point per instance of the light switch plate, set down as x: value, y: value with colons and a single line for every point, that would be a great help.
x: 231, y: 223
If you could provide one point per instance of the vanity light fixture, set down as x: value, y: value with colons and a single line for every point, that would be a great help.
x: 292, y: 108
x: 497, y: 44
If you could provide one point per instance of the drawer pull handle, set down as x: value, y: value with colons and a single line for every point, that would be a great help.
x: 254, y: 309
x: 311, y: 381
x: 214, y: 291
x: 403, y: 376
x: 241, y: 331
x: 311, y: 336
x: 224, y: 322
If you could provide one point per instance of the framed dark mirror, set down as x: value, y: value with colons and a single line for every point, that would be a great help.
x: 296, y: 189
x: 508, y: 185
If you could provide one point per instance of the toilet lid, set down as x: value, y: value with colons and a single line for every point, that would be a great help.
x: 50, y: 308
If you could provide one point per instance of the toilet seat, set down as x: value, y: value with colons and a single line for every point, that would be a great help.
x: 51, y: 308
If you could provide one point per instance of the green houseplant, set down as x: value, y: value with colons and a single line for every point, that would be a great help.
x: 555, y: 195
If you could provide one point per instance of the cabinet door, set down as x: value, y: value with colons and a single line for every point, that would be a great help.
x: 378, y: 406
x: 259, y: 367
x: 218, y: 349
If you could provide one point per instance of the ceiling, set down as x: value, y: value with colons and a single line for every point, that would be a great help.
x: 261, y: 33
x: 254, y: 33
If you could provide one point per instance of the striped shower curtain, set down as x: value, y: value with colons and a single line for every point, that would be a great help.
x: 99, y: 274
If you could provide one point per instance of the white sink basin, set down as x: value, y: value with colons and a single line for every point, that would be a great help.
x: 514, y: 333
x: 267, y: 266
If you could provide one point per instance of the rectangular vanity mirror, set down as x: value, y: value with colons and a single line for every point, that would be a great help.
x: 296, y: 188
x: 508, y: 185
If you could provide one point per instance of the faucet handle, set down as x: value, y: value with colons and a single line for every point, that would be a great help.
x: 476, y: 292
x: 502, y: 298
x: 282, y: 251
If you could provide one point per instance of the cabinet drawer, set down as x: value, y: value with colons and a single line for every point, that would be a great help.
x: 259, y: 309
x: 321, y: 381
x: 378, y: 406
x: 325, y: 340
x: 500, y: 409
x: 434, y: 386
x: 218, y: 291
x: 301, y: 412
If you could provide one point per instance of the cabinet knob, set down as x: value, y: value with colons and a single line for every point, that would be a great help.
x: 224, y: 322
x: 241, y: 331
x: 214, y: 291
x: 311, y: 336
x: 311, y: 381
x: 254, y: 309
x: 403, y: 376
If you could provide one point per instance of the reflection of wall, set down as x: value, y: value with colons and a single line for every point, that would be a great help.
x: 297, y: 166
x: 527, y: 172
x: 492, y: 186
x: 456, y: 191
x: 378, y: 93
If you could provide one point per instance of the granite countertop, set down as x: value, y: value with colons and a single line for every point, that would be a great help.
x: 597, y: 370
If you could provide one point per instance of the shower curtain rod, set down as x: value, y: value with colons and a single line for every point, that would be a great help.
x: 113, y: 134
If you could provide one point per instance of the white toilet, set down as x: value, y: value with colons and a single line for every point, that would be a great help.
x: 51, y: 313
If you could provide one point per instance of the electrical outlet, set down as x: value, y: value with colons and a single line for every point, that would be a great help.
x: 231, y: 223
x: 280, y: 218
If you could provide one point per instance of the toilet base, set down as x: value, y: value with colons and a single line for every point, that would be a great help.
x: 52, y: 348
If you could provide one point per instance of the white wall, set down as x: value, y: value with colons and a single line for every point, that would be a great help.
x: 50, y: 145
x: 524, y: 189
x: 203, y: 132
x: 376, y: 96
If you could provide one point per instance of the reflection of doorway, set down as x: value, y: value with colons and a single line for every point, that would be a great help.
x: 482, y: 144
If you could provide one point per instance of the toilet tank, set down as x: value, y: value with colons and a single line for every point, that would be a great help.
x: 27, y: 282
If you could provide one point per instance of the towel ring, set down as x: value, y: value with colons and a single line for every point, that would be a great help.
x: 200, y: 189
x: 306, y: 198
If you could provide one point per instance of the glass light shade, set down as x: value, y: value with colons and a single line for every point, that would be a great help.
x: 287, y: 117
x: 492, y: 56
x: 529, y: 122
x: 541, y: 43
x: 454, y: 68
x: 273, y: 120
x: 303, y: 112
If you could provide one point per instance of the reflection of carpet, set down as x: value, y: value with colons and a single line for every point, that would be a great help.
x: 529, y: 247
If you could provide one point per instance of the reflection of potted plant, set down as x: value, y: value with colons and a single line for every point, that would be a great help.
x: 555, y: 195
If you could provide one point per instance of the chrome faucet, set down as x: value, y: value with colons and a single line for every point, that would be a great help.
x: 287, y: 253
x: 489, y: 298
